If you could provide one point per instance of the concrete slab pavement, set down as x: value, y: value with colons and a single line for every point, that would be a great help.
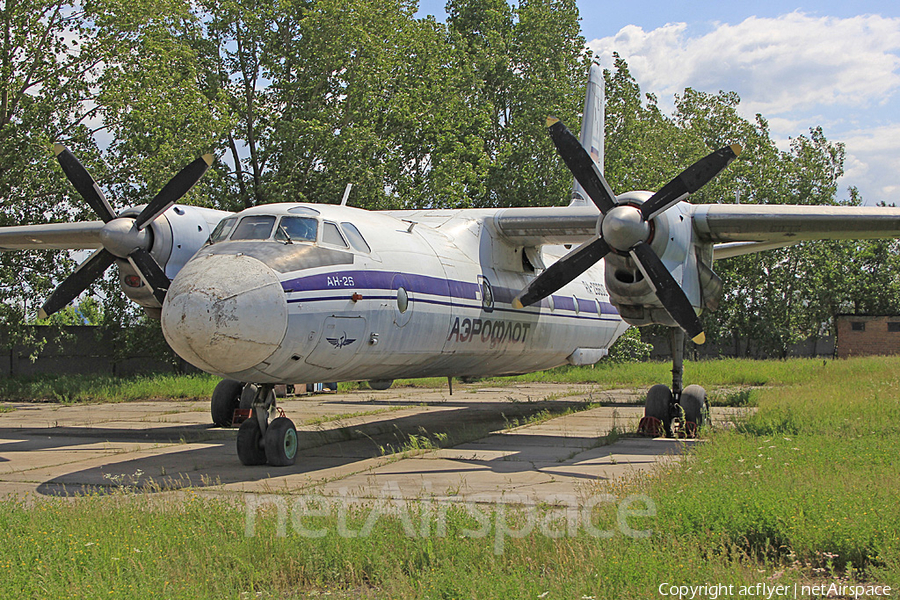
x: 505, y: 440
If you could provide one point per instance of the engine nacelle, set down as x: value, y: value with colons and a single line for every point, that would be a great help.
x: 177, y: 235
x: 688, y: 261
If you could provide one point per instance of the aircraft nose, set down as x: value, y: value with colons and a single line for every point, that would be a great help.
x: 225, y: 313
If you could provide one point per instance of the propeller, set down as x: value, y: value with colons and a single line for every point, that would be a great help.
x: 122, y: 237
x: 625, y: 229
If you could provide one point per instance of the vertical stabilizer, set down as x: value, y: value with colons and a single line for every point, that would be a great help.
x: 592, y: 126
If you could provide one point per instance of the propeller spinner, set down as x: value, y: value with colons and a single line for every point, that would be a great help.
x: 122, y: 237
x: 625, y: 229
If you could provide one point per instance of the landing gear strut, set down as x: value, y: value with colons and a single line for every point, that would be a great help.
x: 678, y: 412
x: 259, y: 441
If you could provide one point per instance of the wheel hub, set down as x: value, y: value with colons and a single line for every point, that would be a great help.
x: 290, y: 443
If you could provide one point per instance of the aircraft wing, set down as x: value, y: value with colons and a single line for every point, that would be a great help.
x: 551, y: 226
x: 52, y: 236
x: 738, y: 229
x: 735, y: 229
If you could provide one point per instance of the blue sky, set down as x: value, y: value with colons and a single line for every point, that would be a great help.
x: 803, y: 64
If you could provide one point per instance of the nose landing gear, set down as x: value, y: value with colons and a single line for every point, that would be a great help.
x: 674, y: 412
x: 259, y: 441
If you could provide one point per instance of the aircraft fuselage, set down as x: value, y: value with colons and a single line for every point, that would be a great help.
x: 376, y: 296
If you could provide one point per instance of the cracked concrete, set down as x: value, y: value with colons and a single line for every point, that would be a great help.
x: 358, y: 446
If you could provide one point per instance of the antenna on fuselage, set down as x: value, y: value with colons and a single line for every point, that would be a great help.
x: 346, y: 194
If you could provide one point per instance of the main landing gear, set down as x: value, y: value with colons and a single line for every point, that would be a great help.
x: 259, y: 441
x: 674, y: 412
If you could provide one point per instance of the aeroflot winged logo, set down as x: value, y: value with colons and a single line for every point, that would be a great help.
x: 341, y: 341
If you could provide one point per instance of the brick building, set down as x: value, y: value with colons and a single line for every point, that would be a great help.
x: 862, y: 335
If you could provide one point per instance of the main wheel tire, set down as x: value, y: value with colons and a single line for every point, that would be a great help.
x: 659, y: 399
x: 248, y: 395
x: 381, y: 384
x: 280, y: 442
x: 249, y: 448
x: 693, y: 402
x: 225, y: 399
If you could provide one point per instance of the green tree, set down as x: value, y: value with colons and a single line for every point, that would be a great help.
x: 644, y: 147
x: 47, y: 60
x: 517, y: 66
x: 157, y: 107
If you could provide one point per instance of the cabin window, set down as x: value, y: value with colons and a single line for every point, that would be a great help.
x: 331, y: 235
x: 894, y: 327
x: 254, y: 227
x: 356, y: 239
x: 222, y: 230
x: 297, y: 229
x: 858, y: 325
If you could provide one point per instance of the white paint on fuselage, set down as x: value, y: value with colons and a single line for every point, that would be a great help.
x: 344, y: 322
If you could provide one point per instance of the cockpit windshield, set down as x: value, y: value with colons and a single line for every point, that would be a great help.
x: 254, y: 227
x: 222, y: 230
x: 297, y: 229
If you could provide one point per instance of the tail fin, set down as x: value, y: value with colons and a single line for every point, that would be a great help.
x: 592, y: 126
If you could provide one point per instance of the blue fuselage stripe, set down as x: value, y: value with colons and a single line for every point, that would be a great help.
x: 435, y: 286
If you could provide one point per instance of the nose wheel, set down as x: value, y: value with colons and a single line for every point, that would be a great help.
x: 674, y: 412
x: 260, y: 442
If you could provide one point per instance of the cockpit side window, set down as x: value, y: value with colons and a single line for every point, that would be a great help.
x: 297, y: 229
x: 331, y: 235
x: 222, y: 230
x: 356, y: 239
x: 254, y: 227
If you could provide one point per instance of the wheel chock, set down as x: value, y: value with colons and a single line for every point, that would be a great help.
x: 240, y: 415
x: 685, y: 431
x: 651, y: 427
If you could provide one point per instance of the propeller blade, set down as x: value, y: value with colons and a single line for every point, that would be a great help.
x: 582, y: 165
x: 668, y: 291
x: 690, y: 180
x: 86, y: 273
x: 562, y: 272
x: 151, y: 272
x: 84, y: 183
x: 177, y: 187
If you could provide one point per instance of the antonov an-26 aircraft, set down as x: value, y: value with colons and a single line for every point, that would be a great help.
x: 294, y: 293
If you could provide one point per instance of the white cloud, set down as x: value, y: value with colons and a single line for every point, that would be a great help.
x: 798, y: 71
x: 873, y: 163
x: 777, y: 65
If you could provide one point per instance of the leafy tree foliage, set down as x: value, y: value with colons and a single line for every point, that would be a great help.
x: 47, y: 58
x: 629, y: 348
x: 300, y: 97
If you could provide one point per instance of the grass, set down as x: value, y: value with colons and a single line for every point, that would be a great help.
x: 709, y: 373
x: 197, y: 549
x: 74, y: 389
x: 810, y: 479
x: 740, y: 397
x: 71, y: 389
x: 608, y: 375
x: 803, y: 491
